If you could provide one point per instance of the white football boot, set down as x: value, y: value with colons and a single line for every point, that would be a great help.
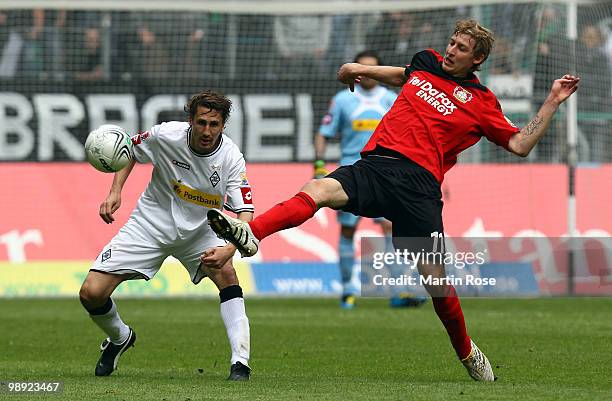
x: 478, y: 365
x: 235, y: 231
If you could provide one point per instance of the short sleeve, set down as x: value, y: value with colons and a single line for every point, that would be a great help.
x: 331, y: 122
x: 239, y: 194
x: 425, y: 60
x: 496, y: 127
x: 145, y: 145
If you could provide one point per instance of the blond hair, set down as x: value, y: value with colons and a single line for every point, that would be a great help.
x: 482, y: 36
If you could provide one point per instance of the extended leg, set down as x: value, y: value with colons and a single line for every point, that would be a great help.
x: 326, y: 192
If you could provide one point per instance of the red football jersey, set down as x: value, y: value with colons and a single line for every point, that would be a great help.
x: 437, y: 116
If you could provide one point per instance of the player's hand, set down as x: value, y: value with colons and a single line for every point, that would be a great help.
x: 319, y: 169
x: 349, y: 74
x: 216, y: 258
x: 563, y: 88
x: 110, y: 206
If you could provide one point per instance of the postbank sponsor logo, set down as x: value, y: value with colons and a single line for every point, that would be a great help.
x: 194, y: 196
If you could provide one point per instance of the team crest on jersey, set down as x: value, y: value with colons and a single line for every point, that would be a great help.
x: 462, y: 95
x: 214, y: 179
x: 106, y: 255
x: 244, y: 180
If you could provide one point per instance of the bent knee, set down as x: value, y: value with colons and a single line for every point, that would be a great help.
x: 88, y: 296
x: 326, y: 192
x: 315, y: 188
x: 92, y: 296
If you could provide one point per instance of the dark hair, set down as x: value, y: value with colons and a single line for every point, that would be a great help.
x: 211, y: 100
x: 367, y: 53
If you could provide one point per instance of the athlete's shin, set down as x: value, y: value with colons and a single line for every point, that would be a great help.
x: 108, y: 319
x: 447, y: 306
x: 290, y: 213
x: 236, y: 323
x: 448, y: 309
x: 347, y: 260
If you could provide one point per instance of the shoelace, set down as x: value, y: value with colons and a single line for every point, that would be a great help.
x: 479, y: 361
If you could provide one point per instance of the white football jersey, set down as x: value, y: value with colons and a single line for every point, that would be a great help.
x: 185, y: 185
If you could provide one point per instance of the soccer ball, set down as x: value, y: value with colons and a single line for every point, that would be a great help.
x: 109, y: 148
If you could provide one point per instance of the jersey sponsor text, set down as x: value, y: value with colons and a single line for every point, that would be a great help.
x: 436, y: 98
x: 194, y: 196
x: 365, y: 124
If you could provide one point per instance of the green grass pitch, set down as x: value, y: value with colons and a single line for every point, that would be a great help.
x: 310, y: 349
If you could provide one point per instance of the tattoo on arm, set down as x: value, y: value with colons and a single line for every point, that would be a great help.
x: 533, y: 125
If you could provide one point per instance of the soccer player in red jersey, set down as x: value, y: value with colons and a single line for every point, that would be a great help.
x: 442, y: 110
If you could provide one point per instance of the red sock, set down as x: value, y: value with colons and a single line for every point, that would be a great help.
x: 449, y: 311
x: 290, y: 213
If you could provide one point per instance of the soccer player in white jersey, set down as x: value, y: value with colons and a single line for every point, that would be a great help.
x: 196, y: 168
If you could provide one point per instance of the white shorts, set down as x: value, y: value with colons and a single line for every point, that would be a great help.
x: 134, y: 251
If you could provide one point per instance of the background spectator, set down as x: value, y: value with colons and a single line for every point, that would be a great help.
x: 85, y: 53
x: 302, y: 43
x: 594, y: 98
x: 22, y: 49
x: 254, y: 42
x: 168, y: 45
x: 551, y: 48
x: 400, y: 34
x: 53, y: 42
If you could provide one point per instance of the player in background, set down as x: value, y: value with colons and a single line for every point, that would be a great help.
x: 354, y: 116
x: 442, y: 110
x: 195, y: 168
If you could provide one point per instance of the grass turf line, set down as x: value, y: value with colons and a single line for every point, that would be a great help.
x: 310, y: 349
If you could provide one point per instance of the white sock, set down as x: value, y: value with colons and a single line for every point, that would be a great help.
x: 112, y: 325
x: 237, y: 326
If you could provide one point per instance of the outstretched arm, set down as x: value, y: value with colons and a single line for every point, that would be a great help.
x: 113, y: 199
x: 351, y: 73
x: 562, y: 88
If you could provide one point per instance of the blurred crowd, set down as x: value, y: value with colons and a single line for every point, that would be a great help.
x: 60, y: 45
x: 96, y: 45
